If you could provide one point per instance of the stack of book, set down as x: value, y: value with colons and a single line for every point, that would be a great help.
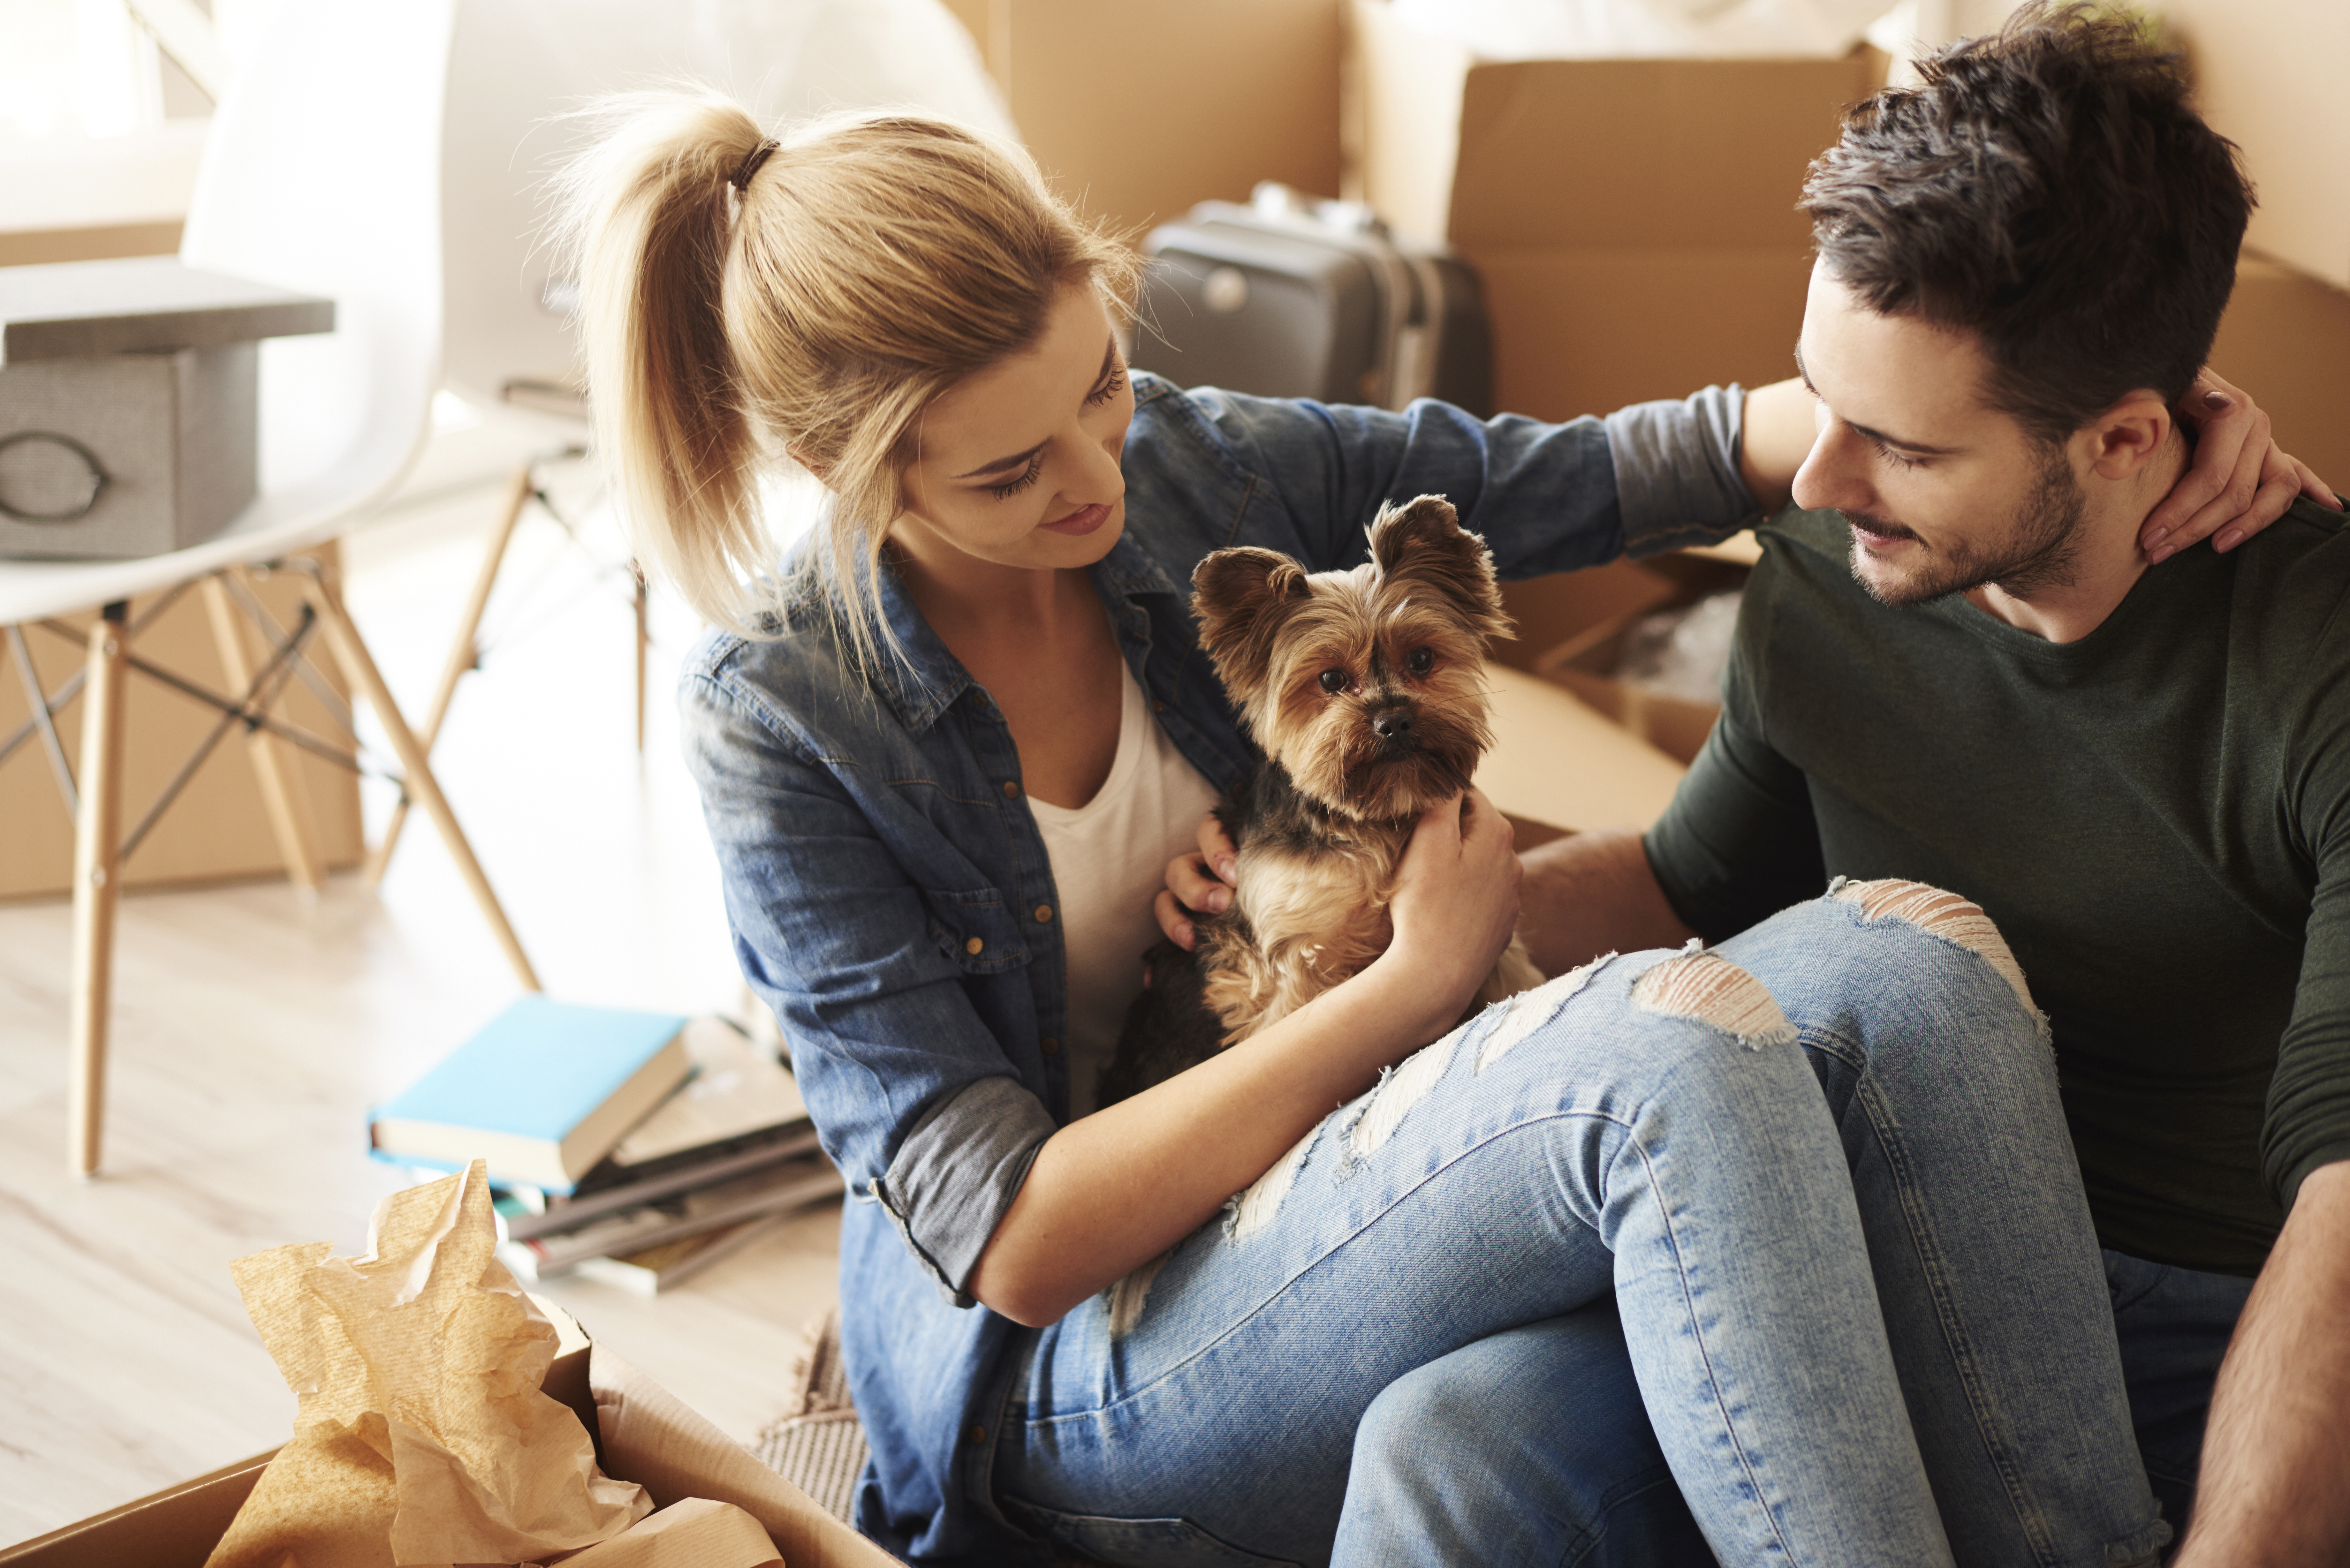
x: 635, y: 1147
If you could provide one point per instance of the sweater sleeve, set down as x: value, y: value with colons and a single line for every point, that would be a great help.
x: 1740, y: 841
x: 2307, y: 1123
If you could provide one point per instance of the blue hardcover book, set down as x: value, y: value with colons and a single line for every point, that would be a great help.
x: 542, y: 1092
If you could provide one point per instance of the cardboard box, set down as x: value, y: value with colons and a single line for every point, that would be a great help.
x: 218, y: 829
x: 1558, y: 766
x: 1584, y: 331
x: 1571, y: 630
x: 643, y: 1434
x: 1634, y: 220
x: 2286, y: 341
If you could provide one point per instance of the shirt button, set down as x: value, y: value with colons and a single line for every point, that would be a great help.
x: 978, y: 1435
x: 1012, y: 789
x: 1157, y: 706
x: 973, y: 947
x: 1044, y: 914
x: 1052, y: 1047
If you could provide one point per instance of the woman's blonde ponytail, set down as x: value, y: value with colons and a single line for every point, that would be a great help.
x: 873, y: 261
x: 650, y: 205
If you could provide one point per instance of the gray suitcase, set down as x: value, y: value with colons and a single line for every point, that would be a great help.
x: 1293, y: 298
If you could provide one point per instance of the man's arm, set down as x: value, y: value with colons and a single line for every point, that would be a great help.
x: 2276, y: 1485
x: 1591, y: 893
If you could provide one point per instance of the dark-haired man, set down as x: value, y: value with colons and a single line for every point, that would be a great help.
x: 1955, y: 667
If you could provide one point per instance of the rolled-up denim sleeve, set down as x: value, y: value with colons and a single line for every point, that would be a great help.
x: 911, y: 1095
x: 1676, y: 461
x: 956, y: 1173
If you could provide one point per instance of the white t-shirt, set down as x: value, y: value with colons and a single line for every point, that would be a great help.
x: 1109, y: 859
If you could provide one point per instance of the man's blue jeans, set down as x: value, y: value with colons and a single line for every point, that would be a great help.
x: 1599, y: 1494
x: 1866, y: 1326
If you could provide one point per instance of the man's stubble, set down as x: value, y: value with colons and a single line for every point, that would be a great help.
x: 2037, y: 552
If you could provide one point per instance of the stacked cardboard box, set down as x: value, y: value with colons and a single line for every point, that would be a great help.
x: 2286, y: 341
x: 1634, y: 220
x: 218, y: 829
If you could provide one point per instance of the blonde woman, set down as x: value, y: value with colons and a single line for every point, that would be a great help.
x: 946, y: 748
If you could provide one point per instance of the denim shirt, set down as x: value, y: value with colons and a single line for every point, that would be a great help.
x: 889, y: 889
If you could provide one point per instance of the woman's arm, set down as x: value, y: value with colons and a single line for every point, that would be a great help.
x: 1115, y: 1189
x: 1213, y: 468
x: 2240, y: 482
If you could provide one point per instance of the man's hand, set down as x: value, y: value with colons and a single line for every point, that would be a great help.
x: 1201, y: 882
x: 2276, y: 1486
x: 2239, y: 483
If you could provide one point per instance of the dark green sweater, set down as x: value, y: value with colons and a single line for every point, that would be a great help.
x: 2157, y: 816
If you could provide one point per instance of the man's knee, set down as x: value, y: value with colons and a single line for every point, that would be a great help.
x: 1938, y: 913
x: 1396, y: 1431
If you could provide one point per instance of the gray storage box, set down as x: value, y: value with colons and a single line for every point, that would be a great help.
x: 128, y: 403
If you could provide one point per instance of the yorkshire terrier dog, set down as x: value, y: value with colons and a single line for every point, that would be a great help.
x: 1365, y: 689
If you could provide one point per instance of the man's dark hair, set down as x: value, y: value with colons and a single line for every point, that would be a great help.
x: 2049, y: 189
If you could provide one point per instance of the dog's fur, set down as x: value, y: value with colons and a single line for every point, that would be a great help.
x: 1366, y: 690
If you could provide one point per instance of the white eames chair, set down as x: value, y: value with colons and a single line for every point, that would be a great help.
x: 321, y: 173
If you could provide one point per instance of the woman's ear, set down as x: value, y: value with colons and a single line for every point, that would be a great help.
x: 2127, y: 436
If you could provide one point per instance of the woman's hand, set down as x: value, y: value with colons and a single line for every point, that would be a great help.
x: 1202, y: 881
x: 2239, y: 483
x: 1456, y: 900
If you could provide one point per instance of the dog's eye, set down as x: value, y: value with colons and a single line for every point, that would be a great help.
x: 1334, y: 682
x: 1419, y: 661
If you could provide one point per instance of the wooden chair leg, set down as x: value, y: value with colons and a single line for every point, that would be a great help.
x: 420, y: 783
x: 97, y: 843
x: 463, y: 654
x: 283, y: 793
x: 644, y: 639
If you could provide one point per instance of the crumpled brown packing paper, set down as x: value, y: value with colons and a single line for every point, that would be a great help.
x: 693, y: 1533
x: 422, y: 1438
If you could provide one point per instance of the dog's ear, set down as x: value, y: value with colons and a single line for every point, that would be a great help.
x: 1242, y: 597
x: 1422, y: 541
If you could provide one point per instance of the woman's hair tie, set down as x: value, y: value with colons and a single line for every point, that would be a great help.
x: 740, y: 180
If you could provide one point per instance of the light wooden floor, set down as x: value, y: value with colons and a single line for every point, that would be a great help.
x: 253, y: 1029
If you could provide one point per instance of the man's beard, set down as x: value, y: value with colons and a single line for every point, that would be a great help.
x: 2037, y: 553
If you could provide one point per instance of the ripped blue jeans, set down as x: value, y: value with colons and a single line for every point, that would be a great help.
x: 1868, y: 1325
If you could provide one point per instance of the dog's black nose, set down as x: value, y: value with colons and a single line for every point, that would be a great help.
x: 1395, y: 724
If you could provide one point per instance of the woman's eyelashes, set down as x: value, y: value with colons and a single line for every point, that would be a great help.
x: 1035, y: 467
x: 1094, y: 400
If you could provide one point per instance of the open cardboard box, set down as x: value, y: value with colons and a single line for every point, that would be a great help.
x: 1571, y: 629
x: 643, y: 1433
